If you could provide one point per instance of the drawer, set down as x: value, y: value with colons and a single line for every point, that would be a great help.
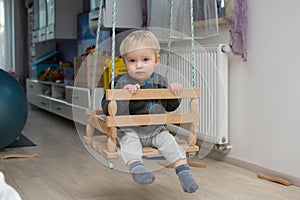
x: 50, y: 32
x: 62, y: 109
x: 32, y: 86
x: 79, y: 114
x: 34, y: 36
x: 42, y: 34
x: 68, y: 94
x: 80, y: 96
x: 38, y: 101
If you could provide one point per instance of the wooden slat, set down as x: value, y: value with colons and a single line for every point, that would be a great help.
x: 94, y: 112
x: 98, y: 123
x: 153, y: 119
x: 123, y: 94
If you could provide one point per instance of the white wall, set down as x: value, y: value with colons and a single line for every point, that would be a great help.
x: 264, y: 92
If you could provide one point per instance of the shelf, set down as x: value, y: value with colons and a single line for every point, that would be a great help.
x: 66, y: 101
x: 52, y: 83
x: 221, y: 21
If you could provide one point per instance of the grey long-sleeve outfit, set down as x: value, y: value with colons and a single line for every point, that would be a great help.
x: 132, y: 139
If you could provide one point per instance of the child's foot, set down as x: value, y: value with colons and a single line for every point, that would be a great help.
x: 187, y: 181
x: 140, y: 174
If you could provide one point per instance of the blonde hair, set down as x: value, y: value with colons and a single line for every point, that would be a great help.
x: 139, y: 39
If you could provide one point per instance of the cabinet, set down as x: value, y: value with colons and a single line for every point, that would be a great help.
x: 66, y: 101
x: 62, y: 18
x: 52, y: 22
x: 55, y: 19
x: 42, y: 20
x: 128, y: 14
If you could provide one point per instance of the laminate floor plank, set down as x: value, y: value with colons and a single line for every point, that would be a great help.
x: 65, y: 169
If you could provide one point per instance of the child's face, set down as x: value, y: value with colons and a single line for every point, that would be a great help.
x: 140, y: 63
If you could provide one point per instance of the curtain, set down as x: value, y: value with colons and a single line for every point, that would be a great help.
x: 13, y: 38
x: 6, y: 51
x: 20, y: 44
x: 204, y: 13
x: 238, y: 30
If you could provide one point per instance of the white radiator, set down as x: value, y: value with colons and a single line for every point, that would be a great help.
x: 211, y: 64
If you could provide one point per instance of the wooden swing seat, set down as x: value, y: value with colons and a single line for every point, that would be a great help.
x: 106, y: 144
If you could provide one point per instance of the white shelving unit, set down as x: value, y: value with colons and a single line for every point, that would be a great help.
x: 66, y: 101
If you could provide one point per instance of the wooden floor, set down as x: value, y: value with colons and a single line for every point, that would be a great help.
x: 65, y: 170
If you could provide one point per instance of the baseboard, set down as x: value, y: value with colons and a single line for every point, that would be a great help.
x: 252, y: 167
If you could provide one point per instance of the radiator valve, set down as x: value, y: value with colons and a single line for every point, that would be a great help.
x: 224, y: 148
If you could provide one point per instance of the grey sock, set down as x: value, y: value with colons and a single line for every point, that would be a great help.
x: 187, y: 181
x: 140, y: 174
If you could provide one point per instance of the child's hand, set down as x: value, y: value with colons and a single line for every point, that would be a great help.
x: 175, y: 88
x: 132, y: 88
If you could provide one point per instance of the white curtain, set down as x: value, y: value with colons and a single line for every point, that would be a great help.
x: 6, y: 46
x: 204, y: 14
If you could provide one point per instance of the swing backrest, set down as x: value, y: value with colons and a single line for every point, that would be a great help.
x: 114, y: 95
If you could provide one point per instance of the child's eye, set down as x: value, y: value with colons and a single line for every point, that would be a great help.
x: 146, y: 59
x: 131, y: 60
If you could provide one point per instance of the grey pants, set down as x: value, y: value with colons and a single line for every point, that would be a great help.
x: 131, y: 145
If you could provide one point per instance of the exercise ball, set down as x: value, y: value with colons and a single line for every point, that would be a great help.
x: 13, y: 109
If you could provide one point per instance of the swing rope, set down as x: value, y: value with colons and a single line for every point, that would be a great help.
x: 193, y: 43
x: 113, y: 48
x: 170, y: 35
x: 113, y: 45
x: 95, y: 54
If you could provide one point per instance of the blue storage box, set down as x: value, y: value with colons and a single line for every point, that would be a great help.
x: 41, y: 64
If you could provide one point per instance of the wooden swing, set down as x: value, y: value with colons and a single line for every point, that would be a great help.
x: 109, y: 124
x: 106, y: 144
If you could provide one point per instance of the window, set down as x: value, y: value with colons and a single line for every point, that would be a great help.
x: 6, y: 43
